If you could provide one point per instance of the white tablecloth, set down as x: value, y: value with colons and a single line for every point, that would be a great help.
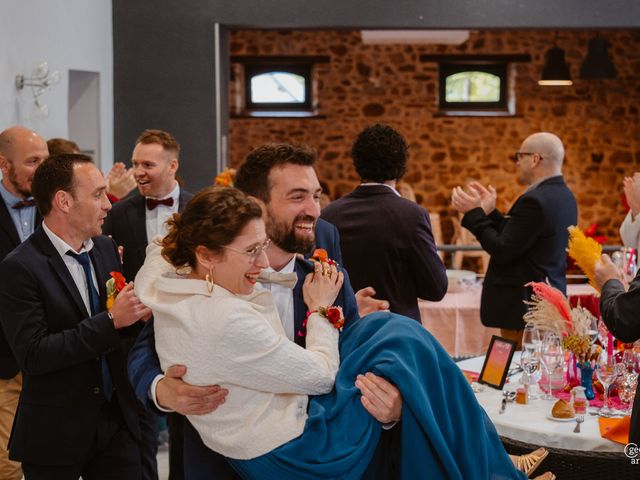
x: 529, y: 423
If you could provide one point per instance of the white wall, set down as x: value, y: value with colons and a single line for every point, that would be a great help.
x: 68, y: 34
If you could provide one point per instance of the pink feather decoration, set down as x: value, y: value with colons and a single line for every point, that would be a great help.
x: 555, y: 297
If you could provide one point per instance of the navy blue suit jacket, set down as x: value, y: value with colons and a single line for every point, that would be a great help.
x: 526, y: 245
x: 388, y: 244
x: 58, y: 346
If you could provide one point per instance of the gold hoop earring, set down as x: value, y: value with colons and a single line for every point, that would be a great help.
x: 208, y: 278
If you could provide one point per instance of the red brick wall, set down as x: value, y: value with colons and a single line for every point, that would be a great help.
x: 363, y: 84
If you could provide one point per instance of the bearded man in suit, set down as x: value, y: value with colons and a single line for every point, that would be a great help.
x: 282, y: 177
x: 528, y: 244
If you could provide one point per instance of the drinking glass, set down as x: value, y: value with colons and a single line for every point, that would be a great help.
x: 607, y: 373
x: 530, y: 362
x: 552, y: 357
x: 530, y: 358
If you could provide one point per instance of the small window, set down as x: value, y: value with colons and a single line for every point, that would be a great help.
x: 473, y: 87
x: 274, y: 86
x: 283, y: 87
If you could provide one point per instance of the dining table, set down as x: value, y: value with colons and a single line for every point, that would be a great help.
x: 455, y: 320
x: 533, y: 423
x: 526, y: 427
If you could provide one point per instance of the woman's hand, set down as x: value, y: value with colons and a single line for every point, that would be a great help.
x: 321, y: 287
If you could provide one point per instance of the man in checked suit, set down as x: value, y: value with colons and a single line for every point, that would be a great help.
x: 528, y: 244
x: 21, y: 151
x: 282, y: 177
x: 77, y: 413
x: 132, y: 223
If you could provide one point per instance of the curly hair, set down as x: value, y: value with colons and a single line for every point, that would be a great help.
x: 253, y: 175
x: 379, y: 154
x: 213, y: 218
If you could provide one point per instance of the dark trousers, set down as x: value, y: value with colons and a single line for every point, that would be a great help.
x: 202, y: 463
x: 175, y: 423
x: 386, y: 462
x: 149, y: 444
x: 114, y: 455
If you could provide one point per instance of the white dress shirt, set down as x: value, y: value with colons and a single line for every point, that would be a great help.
x: 156, y: 219
x: 283, y: 298
x: 74, y: 267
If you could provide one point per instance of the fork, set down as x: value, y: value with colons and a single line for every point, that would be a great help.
x: 579, y: 420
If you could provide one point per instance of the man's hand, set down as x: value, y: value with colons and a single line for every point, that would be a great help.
x: 172, y: 393
x: 120, y: 180
x: 606, y: 270
x: 488, y: 196
x: 380, y: 398
x: 367, y: 304
x: 464, y: 201
x: 632, y: 192
x: 127, y: 309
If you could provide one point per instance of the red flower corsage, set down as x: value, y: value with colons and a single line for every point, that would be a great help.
x: 321, y: 255
x: 116, y: 283
x: 332, y: 314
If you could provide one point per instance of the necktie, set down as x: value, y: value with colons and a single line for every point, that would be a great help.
x: 94, y: 304
x: 287, y: 280
x: 30, y: 202
x: 152, y: 203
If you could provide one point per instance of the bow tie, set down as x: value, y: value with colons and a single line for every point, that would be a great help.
x: 152, y: 203
x: 24, y: 203
x: 287, y: 280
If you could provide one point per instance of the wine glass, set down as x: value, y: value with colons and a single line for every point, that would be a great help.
x: 530, y: 358
x: 530, y: 362
x: 607, y: 372
x: 530, y: 337
x: 552, y: 357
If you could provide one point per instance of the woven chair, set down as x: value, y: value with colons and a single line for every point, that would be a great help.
x: 578, y: 464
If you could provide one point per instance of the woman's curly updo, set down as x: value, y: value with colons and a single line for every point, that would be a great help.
x: 213, y: 218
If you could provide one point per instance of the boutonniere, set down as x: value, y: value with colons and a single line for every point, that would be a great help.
x: 114, y: 285
x: 321, y: 255
x: 226, y: 178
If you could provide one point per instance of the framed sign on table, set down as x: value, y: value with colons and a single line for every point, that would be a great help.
x: 496, y: 362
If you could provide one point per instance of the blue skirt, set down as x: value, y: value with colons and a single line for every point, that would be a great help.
x: 445, y: 432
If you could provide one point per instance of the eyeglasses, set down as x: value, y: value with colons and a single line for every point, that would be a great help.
x: 253, y: 252
x: 518, y: 155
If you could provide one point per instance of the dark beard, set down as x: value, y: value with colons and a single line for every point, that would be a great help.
x: 284, y: 236
x: 12, y: 177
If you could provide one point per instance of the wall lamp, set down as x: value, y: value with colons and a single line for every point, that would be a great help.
x: 40, y: 81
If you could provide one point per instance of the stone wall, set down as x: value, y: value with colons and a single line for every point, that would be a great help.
x: 362, y: 84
